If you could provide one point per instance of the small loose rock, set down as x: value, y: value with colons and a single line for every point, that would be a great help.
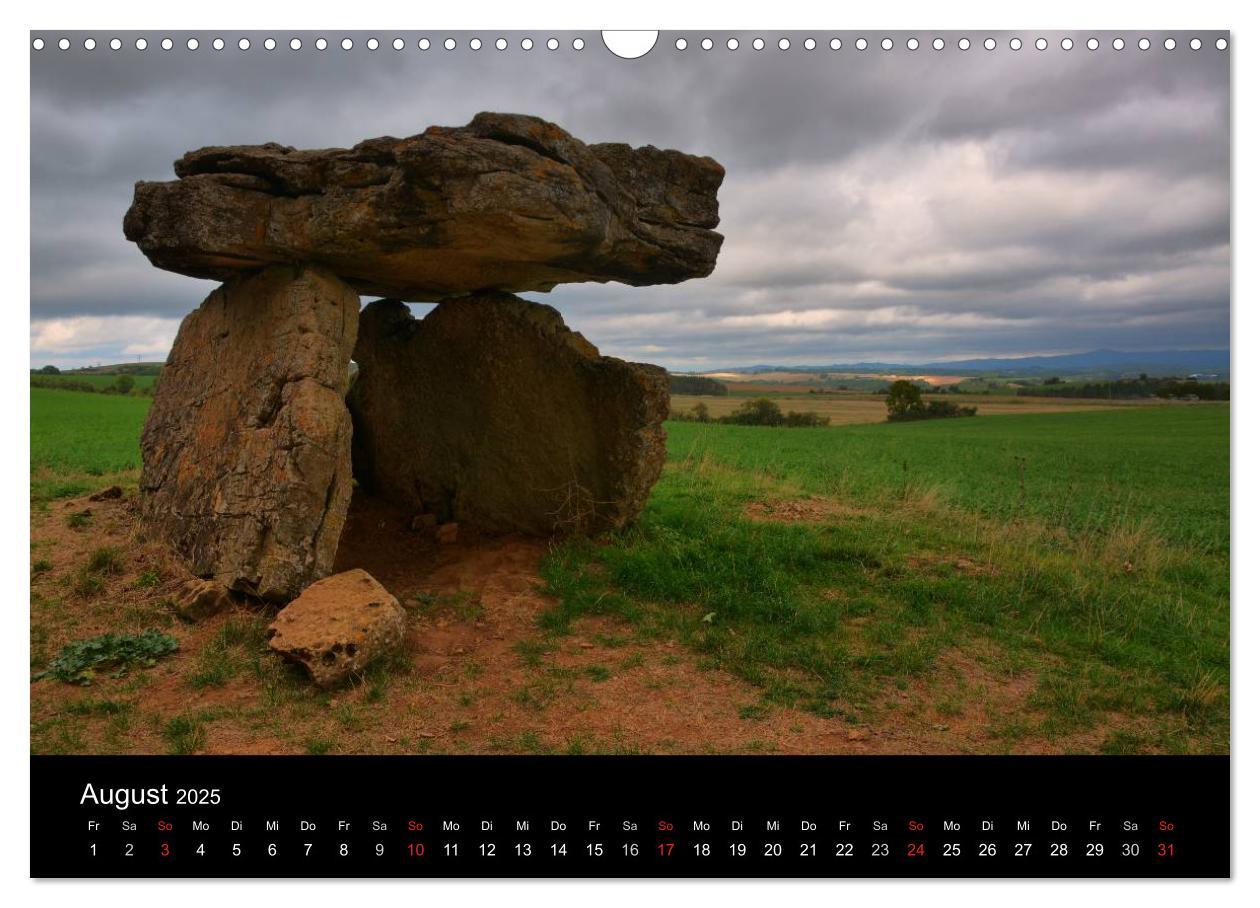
x: 339, y: 626
x: 202, y: 599
x: 424, y: 522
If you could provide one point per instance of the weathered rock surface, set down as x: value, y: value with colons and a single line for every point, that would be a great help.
x: 338, y: 626
x: 201, y: 599
x: 492, y: 413
x: 508, y: 202
x: 247, y: 445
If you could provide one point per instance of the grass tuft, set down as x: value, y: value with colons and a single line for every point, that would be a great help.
x: 184, y: 735
x: 105, y: 560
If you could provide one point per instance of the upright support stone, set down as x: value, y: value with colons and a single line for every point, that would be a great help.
x: 490, y: 412
x: 247, y: 446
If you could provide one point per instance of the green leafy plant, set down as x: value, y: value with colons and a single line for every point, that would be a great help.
x: 78, y: 662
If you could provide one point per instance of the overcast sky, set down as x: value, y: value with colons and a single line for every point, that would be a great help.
x: 902, y: 206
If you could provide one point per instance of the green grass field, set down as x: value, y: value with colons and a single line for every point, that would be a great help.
x: 78, y: 440
x: 1164, y: 467
x: 1081, y: 558
x: 1088, y: 552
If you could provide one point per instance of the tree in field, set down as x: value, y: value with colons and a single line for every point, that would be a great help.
x: 759, y: 412
x: 124, y: 384
x: 905, y: 400
x: 49, y: 370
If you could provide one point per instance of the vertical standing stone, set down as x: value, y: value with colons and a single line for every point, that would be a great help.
x: 490, y: 412
x: 247, y: 446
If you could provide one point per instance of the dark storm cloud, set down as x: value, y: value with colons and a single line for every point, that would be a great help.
x: 877, y: 205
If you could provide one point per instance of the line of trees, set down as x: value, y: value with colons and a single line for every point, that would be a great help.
x: 697, y: 384
x: 1130, y: 389
x: 760, y: 411
x: 122, y: 384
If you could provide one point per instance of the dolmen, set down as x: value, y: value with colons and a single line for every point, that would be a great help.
x: 488, y: 411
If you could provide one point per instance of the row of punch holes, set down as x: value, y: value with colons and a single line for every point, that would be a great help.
x: 680, y: 44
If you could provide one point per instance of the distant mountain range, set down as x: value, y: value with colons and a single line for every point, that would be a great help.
x: 1094, y: 362
x: 1158, y: 362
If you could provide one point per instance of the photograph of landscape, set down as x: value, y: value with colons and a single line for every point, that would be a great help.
x: 811, y: 400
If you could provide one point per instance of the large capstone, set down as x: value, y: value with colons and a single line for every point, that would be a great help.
x: 490, y: 412
x: 247, y: 445
x: 508, y: 202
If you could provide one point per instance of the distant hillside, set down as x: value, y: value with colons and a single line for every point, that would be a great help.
x: 118, y: 369
x: 1159, y: 362
x: 115, y: 369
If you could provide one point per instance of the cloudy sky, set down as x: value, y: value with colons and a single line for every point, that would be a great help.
x: 899, y: 206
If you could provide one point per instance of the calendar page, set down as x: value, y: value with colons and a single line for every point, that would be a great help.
x: 631, y: 454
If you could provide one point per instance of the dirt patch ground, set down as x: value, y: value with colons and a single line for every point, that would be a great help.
x: 966, y: 705
x: 962, y: 564
x: 477, y: 674
x: 799, y: 510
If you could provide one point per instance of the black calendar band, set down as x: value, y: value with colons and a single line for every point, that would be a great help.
x: 630, y: 816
